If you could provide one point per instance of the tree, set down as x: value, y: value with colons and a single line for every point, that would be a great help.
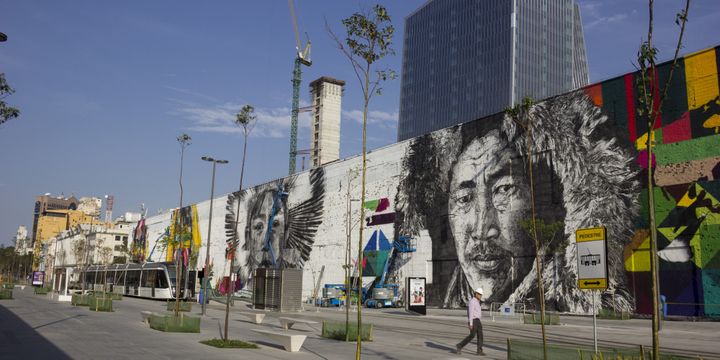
x: 245, y: 119
x: 106, y: 257
x: 520, y: 114
x: 80, y: 249
x: 184, y: 140
x: 368, y: 40
x: 651, y: 100
x: 6, y: 112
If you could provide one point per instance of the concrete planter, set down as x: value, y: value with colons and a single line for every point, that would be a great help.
x: 336, y: 330
x: 171, y: 323
x: 80, y: 300
x: 6, y: 294
x: 42, y: 291
x: 100, y: 304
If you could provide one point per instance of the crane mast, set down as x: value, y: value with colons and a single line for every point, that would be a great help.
x: 302, y: 58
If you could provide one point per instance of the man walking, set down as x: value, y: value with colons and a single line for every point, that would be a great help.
x: 474, y: 314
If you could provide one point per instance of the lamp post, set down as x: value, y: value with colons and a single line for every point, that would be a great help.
x: 207, y: 247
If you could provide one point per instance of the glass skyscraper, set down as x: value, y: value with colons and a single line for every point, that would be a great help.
x: 466, y: 59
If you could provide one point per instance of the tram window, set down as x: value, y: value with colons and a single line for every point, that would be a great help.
x: 133, y: 278
x: 89, y: 276
x: 171, y: 272
x: 161, y: 281
x: 191, y: 277
x: 121, y: 277
x: 149, y: 278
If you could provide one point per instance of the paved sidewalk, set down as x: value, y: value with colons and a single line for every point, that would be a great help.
x: 37, y: 327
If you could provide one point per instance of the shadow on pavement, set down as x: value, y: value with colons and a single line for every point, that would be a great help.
x: 57, y: 321
x: 18, y: 340
x: 443, y: 347
x: 397, y: 312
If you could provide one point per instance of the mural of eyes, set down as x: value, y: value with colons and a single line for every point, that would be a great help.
x: 463, y: 198
x: 503, y: 192
x: 259, y: 226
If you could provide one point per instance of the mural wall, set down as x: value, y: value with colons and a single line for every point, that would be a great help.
x: 462, y: 197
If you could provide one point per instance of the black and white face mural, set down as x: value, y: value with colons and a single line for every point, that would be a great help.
x: 469, y: 186
x: 294, y: 224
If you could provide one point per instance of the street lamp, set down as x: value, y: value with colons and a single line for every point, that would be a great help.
x: 207, y: 248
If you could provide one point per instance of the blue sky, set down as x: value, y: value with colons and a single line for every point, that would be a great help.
x: 105, y: 88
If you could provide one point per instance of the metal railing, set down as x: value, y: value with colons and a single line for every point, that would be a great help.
x: 510, y: 310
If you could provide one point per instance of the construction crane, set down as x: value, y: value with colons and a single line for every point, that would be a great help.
x: 302, y: 58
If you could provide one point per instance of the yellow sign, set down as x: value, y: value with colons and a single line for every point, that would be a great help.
x: 592, y: 234
x: 593, y: 284
x: 591, y: 253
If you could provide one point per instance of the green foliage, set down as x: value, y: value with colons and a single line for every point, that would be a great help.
x: 534, y: 318
x: 42, y: 290
x: 13, y: 264
x: 518, y: 112
x: 526, y: 350
x: 336, y: 331
x: 235, y: 344
x: 367, y: 36
x: 100, y: 303
x: 184, y: 140
x: 80, y: 300
x: 6, y: 294
x: 547, y: 232
x: 246, y: 117
x: 610, y: 314
x: 6, y: 112
x: 368, y: 40
x: 172, y: 323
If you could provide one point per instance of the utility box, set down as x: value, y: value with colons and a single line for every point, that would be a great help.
x: 277, y: 289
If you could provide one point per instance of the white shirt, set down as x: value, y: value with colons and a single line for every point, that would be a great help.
x: 474, y: 310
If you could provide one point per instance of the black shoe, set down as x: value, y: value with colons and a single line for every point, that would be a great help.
x: 481, y: 353
x: 458, y: 349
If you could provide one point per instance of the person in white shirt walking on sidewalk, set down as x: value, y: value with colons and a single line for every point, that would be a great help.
x: 474, y: 314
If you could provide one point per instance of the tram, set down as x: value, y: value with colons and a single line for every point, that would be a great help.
x: 150, y: 280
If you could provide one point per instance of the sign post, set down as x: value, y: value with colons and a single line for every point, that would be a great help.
x: 592, y: 265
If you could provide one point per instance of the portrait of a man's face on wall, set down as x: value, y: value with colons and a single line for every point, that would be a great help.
x: 472, y: 188
x: 488, y: 198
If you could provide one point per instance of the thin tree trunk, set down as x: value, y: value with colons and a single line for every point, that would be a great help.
x: 358, y: 350
x: 178, y: 237
x: 233, y: 251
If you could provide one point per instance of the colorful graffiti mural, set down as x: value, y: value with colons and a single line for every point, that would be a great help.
x: 687, y: 175
x: 462, y: 194
x: 186, y: 229
x: 469, y: 187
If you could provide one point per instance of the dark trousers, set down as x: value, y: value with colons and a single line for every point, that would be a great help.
x: 476, y: 331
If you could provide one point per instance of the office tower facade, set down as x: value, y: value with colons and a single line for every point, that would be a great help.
x: 326, y: 94
x: 466, y: 59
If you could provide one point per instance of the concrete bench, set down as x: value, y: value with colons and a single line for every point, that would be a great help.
x: 255, y: 317
x: 291, y: 342
x: 146, y: 316
x: 287, y: 322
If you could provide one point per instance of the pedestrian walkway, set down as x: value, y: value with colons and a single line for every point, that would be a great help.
x: 36, y: 327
